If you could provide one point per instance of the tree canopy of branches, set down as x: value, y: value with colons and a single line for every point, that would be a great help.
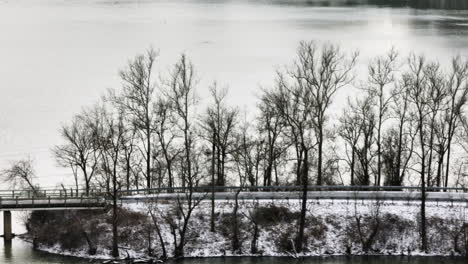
x: 404, y: 125
x: 21, y: 173
x: 137, y: 100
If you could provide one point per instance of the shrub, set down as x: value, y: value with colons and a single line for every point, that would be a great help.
x: 316, y: 228
x: 273, y: 214
x: 286, y: 240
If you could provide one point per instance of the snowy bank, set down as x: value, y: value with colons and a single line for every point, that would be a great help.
x: 264, y: 228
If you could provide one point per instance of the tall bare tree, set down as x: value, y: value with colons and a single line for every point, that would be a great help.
x: 302, y: 95
x: 380, y: 78
x: 437, y: 92
x: 137, y: 100
x: 219, y: 122
x: 350, y: 131
x: 364, y: 150
x: 420, y: 96
x: 110, y: 136
x: 167, y: 136
x: 270, y: 128
x: 248, y: 155
x: 129, y: 163
x: 321, y: 73
x: 457, y: 88
x: 404, y: 134
x: 79, y: 148
x: 181, y: 94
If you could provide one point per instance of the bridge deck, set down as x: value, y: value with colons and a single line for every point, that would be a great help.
x: 60, y: 199
x: 39, y: 203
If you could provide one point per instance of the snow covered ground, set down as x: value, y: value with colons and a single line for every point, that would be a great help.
x: 330, y: 229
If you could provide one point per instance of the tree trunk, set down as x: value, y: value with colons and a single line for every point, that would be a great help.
x: 379, y: 150
x: 161, y: 241
x: 236, y: 246
x: 400, y: 149
x: 449, y: 144
x: 439, y: 167
x: 429, y: 162
x: 423, y: 189
x: 115, y: 234
x: 253, y: 245
x: 320, y: 152
x: 212, y: 224
x: 352, y: 165
x: 305, y: 170
x: 148, y: 158
x: 127, y: 169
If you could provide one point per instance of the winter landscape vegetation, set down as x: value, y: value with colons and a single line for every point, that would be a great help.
x: 399, y: 129
x: 341, y: 155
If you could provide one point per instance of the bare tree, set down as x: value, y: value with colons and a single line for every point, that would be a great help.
x: 397, y: 159
x: 381, y: 76
x: 437, y: 93
x: 79, y: 148
x: 65, y: 157
x: 110, y: 136
x: 248, y: 155
x: 294, y: 107
x: 219, y: 123
x: 270, y: 127
x: 167, y: 136
x: 251, y: 213
x: 181, y: 94
x: 364, y: 152
x: 302, y: 96
x: 155, y: 213
x: 441, y: 146
x: 137, y: 100
x: 350, y: 131
x: 321, y: 74
x: 420, y: 96
x: 457, y: 88
x: 21, y: 173
x: 128, y: 150
x: 368, y: 227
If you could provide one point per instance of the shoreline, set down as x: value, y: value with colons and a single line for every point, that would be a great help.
x: 329, y: 227
x: 324, y: 256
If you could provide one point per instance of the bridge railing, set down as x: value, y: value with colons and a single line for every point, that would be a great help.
x: 49, y: 193
x: 36, y: 202
x: 65, y: 193
x: 288, y: 189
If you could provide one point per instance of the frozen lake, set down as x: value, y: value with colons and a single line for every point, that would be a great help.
x: 21, y: 252
x: 57, y: 56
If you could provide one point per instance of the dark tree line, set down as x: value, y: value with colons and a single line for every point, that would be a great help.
x: 400, y: 127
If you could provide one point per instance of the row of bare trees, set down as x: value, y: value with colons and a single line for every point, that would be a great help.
x: 375, y: 141
x: 399, y: 127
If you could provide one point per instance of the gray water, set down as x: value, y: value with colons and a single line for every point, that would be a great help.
x: 57, y: 56
x: 327, y: 260
x: 21, y: 252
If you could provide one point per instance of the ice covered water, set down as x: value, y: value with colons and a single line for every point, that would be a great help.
x: 58, y: 56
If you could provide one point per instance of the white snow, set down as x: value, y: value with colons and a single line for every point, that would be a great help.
x: 336, y: 216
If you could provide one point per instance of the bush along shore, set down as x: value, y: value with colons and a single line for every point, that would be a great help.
x: 157, y: 230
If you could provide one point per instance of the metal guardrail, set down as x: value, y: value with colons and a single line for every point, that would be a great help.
x: 49, y: 202
x: 291, y: 189
x: 50, y: 193
x: 313, y: 195
x: 50, y: 198
x: 80, y: 197
x: 94, y: 192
